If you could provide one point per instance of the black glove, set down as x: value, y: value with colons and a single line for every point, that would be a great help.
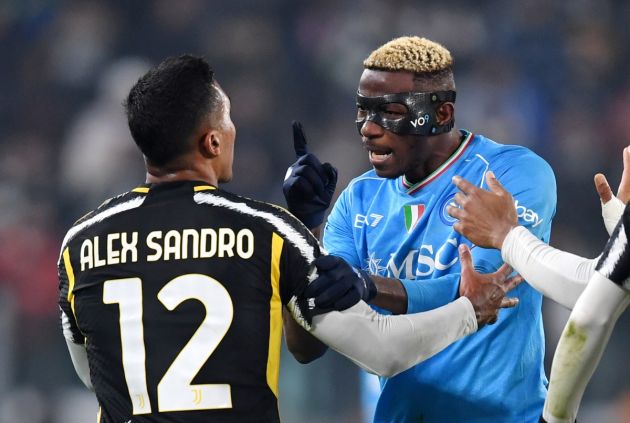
x: 339, y: 286
x: 309, y: 185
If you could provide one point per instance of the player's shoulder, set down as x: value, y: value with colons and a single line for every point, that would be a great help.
x: 275, y: 217
x: 366, y: 181
x: 248, y: 207
x: 111, y: 206
x: 510, y: 156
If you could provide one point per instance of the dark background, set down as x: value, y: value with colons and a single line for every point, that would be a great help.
x: 550, y: 75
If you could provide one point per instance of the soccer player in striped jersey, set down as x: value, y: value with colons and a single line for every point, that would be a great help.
x: 392, y: 222
x: 597, y: 290
x: 173, y: 295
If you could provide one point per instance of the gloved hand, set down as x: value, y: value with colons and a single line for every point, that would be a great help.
x: 308, y: 185
x: 339, y: 286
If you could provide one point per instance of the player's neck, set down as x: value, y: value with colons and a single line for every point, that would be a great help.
x: 160, y: 174
x: 443, y: 148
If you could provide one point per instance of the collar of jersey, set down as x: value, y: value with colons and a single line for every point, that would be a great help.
x: 413, y: 188
x: 197, y: 186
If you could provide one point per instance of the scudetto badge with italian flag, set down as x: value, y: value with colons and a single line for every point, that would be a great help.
x: 412, y: 215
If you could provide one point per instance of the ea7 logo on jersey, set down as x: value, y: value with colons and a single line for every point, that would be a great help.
x: 528, y: 215
x: 370, y: 220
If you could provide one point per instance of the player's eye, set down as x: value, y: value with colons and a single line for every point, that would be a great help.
x: 393, y: 111
x: 361, y: 112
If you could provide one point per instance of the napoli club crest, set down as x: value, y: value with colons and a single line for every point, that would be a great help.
x: 444, y: 216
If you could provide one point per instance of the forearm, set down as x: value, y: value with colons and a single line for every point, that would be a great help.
x: 556, y: 274
x: 387, y: 345
x: 391, y: 295
x: 581, y: 346
x: 304, y: 346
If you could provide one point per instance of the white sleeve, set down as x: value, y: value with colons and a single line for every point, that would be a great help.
x: 387, y: 345
x: 556, y: 274
x: 611, y: 213
x: 581, y: 346
x: 78, y: 354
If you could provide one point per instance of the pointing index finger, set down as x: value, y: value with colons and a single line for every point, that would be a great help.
x: 299, y: 139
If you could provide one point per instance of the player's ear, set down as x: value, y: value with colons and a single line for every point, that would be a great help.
x: 445, y: 113
x: 211, y: 143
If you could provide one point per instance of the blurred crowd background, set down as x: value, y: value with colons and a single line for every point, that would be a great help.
x: 550, y: 75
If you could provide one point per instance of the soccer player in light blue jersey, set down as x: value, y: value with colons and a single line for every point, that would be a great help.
x: 392, y: 222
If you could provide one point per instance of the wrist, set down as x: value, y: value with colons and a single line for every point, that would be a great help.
x: 370, y: 286
x: 470, y: 311
x: 502, y: 236
x: 391, y: 294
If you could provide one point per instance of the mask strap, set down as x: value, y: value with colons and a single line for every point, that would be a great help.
x: 442, y: 97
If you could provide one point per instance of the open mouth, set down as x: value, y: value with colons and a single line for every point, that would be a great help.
x: 379, y: 155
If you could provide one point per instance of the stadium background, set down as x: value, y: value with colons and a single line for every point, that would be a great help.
x: 550, y: 75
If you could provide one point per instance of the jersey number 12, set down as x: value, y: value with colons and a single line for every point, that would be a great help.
x: 175, y: 391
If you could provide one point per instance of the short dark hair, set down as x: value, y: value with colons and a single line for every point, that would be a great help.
x: 168, y: 103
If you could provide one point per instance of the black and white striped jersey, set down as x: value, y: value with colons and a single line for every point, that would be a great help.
x: 614, y: 262
x: 176, y: 290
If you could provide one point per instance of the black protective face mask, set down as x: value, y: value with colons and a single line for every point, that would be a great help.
x: 421, y: 112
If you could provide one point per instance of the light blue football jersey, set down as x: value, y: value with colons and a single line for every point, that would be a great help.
x: 395, y: 229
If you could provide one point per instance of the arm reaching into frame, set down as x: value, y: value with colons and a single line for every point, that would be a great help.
x: 386, y: 344
x: 488, y: 219
x: 589, y: 327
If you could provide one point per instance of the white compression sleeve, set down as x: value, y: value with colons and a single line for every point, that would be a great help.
x: 78, y: 354
x: 556, y: 274
x: 581, y: 346
x: 387, y: 345
x: 612, y: 212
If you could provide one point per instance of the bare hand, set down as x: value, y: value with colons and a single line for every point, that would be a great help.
x: 485, y: 217
x: 486, y: 292
x: 623, y: 193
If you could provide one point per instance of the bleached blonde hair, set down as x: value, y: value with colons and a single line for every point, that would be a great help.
x: 412, y: 54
